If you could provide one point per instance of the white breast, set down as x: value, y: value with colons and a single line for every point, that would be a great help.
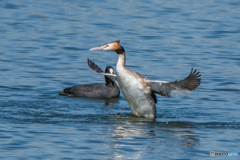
x: 136, y: 92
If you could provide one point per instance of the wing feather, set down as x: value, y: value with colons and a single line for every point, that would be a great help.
x: 97, y: 69
x: 177, y: 88
x: 94, y: 67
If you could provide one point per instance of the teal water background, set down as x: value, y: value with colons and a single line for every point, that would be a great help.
x: 44, y: 47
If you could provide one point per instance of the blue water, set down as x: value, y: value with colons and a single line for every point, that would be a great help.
x: 44, y: 47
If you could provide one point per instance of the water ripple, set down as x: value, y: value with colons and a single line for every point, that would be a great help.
x: 44, y: 49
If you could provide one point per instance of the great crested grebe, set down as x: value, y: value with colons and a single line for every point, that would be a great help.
x: 95, y: 90
x: 139, y: 91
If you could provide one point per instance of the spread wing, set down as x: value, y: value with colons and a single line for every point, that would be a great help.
x: 177, y: 88
x: 94, y: 67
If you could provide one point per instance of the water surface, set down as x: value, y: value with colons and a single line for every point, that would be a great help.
x: 44, y: 49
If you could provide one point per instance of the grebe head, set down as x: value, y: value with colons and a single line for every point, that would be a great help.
x: 111, y: 46
x: 109, y: 69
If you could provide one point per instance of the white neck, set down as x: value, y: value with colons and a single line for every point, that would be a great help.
x: 121, y: 61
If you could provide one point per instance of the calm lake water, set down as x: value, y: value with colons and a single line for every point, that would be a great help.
x: 44, y: 49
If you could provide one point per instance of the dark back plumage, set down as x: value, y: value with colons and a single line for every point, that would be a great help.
x: 94, y: 90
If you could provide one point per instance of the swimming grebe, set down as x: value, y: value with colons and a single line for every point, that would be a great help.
x: 139, y: 91
x: 95, y: 90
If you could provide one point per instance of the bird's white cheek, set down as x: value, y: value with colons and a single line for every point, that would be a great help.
x: 111, y: 71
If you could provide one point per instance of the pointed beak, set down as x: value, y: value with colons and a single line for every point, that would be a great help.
x: 97, y: 48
